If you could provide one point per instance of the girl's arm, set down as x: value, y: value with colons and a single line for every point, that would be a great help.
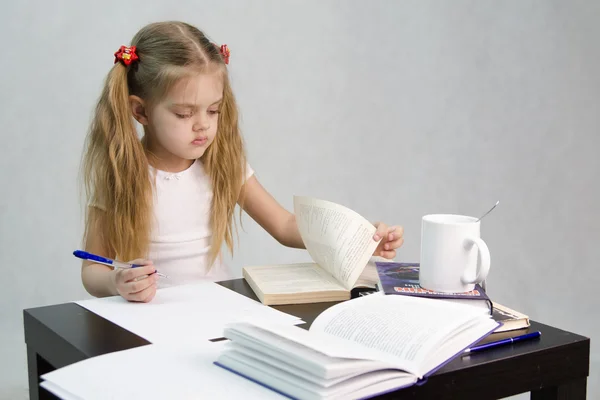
x: 268, y: 213
x: 134, y: 284
x: 281, y: 224
x: 97, y: 279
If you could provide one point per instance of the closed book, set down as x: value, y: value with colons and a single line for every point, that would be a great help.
x: 403, y: 279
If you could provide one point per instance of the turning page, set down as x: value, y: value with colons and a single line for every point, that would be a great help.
x: 337, y: 238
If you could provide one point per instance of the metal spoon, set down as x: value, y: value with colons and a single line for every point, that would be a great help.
x: 489, y: 211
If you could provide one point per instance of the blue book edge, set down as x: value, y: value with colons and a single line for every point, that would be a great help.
x: 218, y: 364
x: 458, y: 354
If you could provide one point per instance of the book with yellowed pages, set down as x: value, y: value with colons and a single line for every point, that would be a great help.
x: 511, y: 319
x: 339, y: 241
x: 355, y: 349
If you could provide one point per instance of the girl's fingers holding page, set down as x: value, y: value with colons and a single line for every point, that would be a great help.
x: 394, y: 245
x: 382, y: 230
x: 396, y: 232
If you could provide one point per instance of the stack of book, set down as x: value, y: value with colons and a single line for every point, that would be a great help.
x: 403, y: 279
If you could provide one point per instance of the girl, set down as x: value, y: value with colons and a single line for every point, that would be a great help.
x: 170, y: 197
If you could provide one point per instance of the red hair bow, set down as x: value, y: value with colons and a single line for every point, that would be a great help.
x: 225, y: 53
x: 126, y: 55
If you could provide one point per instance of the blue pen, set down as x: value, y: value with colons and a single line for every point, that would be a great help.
x: 502, y: 342
x: 84, y: 255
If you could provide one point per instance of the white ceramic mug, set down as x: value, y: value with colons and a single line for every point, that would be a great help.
x: 453, y: 255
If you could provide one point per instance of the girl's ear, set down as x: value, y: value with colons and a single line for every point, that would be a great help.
x: 138, y: 109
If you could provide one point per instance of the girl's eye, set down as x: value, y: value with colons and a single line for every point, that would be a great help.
x: 214, y: 112
x: 183, y: 116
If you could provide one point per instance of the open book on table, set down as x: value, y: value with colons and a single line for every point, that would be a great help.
x: 355, y: 349
x: 339, y: 241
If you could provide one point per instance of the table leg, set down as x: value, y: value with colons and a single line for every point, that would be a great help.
x: 36, y: 367
x: 573, y: 390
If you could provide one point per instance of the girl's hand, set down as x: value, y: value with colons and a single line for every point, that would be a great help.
x: 391, y: 239
x: 137, y: 284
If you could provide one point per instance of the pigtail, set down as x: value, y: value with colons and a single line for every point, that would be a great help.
x: 116, y: 172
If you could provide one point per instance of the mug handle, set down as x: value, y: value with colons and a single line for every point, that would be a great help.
x: 483, y: 267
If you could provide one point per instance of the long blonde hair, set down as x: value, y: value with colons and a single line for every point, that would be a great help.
x: 116, y: 170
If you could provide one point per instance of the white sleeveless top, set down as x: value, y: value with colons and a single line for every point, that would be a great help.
x: 181, y: 234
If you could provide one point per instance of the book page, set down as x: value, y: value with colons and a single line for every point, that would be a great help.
x: 400, y: 328
x: 292, y: 278
x: 293, y: 384
x: 337, y: 238
x: 309, y: 350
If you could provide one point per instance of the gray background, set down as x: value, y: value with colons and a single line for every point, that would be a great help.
x: 395, y: 109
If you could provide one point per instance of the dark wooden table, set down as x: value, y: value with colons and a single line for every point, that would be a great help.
x: 554, y: 367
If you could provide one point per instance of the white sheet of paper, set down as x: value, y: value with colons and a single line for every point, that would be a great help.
x: 186, y: 313
x: 154, y: 372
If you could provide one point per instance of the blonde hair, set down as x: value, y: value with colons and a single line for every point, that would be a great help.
x: 115, y: 166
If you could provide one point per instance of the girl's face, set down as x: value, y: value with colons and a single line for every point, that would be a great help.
x: 184, y: 124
